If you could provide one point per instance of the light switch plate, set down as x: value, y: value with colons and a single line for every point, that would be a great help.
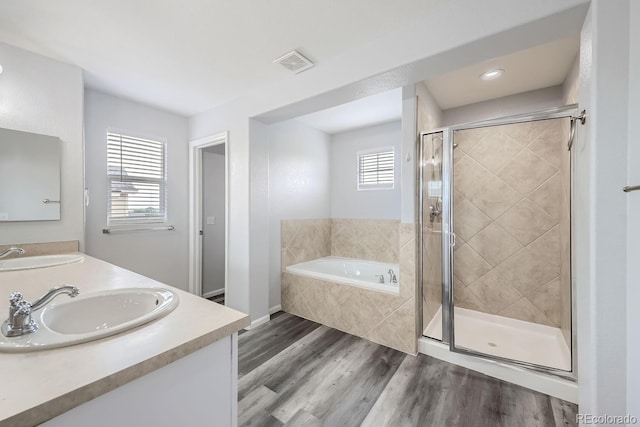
x: 211, y: 220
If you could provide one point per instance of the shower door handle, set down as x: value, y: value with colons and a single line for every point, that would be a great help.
x: 452, y: 239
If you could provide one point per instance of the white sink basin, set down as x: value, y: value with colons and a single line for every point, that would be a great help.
x: 92, y: 316
x: 25, y: 263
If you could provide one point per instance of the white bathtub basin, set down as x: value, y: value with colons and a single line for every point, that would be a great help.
x: 93, y: 316
x: 349, y: 271
x: 25, y: 263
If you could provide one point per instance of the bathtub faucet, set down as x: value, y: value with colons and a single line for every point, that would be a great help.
x: 392, y: 276
x: 380, y: 278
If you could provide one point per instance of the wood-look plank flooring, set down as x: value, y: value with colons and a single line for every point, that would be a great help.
x: 295, y: 372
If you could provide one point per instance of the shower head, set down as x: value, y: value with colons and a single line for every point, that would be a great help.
x: 455, y: 145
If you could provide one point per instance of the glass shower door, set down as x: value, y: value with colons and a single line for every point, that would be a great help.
x: 432, y: 206
x: 510, y: 271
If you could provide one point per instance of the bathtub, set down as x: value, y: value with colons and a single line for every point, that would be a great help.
x: 350, y: 271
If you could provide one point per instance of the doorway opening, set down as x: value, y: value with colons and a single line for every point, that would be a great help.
x: 208, y: 223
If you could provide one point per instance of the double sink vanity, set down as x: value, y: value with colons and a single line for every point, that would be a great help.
x: 100, y: 345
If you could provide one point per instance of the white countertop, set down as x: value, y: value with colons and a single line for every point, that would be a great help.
x: 40, y: 385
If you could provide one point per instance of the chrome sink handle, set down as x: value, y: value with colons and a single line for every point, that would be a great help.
x: 14, y: 298
x: 20, y: 322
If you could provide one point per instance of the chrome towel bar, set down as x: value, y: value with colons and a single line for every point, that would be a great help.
x: 126, y: 230
x: 631, y: 188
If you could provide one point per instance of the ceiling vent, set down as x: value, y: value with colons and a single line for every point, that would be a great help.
x: 294, y: 61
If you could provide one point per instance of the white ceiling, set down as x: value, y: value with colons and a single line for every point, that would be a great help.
x: 535, y: 68
x: 192, y: 55
x: 379, y: 108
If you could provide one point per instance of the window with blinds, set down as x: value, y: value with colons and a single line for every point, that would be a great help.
x: 136, y: 169
x: 376, y: 169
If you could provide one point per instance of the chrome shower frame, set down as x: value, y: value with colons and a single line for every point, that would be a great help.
x: 448, y: 234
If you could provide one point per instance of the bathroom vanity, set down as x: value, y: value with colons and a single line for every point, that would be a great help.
x: 180, y: 369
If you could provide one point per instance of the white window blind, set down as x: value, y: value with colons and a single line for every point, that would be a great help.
x: 376, y: 169
x: 137, y: 180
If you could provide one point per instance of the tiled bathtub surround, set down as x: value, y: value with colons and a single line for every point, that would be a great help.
x: 370, y: 239
x: 382, y: 318
x: 304, y: 240
x: 510, y: 217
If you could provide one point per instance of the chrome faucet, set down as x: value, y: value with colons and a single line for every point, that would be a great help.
x: 20, y: 322
x: 392, y: 276
x: 380, y: 278
x: 12, y: 250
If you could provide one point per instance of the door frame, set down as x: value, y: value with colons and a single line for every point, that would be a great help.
x: 195, y: 208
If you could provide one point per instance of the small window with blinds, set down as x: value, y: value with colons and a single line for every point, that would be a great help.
x: 376, y: 169
x: 136, y: 169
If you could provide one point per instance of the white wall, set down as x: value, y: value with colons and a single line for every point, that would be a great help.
x: 299, y: 185
x: 633, y: 224
x: 571, y: 83
x: 346, y: 200
x: 526, y: 102
x: 373, y: 67
x: 40, y: 95
x: 213, y: 201
x: 260, y: 138
x: 601, y: 210
x: 161, y: 255
x: 429, y: 114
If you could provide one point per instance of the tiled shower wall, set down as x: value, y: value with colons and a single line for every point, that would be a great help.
x: 511, y: 215
x: 386, y: 319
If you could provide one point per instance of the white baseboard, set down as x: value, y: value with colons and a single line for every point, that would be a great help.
x: 275, y: 309
x: 261, y: 321
x: 213, y: 293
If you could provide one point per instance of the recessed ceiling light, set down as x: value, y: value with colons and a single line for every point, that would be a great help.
x: 492, y: 74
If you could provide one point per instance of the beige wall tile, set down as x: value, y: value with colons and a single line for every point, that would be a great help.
x: 469, y: 175
x: 375, y: 240
x: 494, y: 244
x: 547, y: 249
x: 495, y: 151
x: 469, y: 266
x: 526, y: 222
x: 548, y: 147
x: 547, y: 299
x: 495, y: 197
x: 494, y: 292
x: 397, y: 330
x: 466, y: 139
x: 525, y: 272
x: 527, y: 172
x: 548, y: 196
x: 526, y: 132
x: 469, y: 220
x: 464, y: 298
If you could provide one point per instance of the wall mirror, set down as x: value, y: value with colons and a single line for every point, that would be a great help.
x: 29, y: 176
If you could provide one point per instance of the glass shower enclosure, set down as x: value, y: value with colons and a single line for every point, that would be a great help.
x: 495, y: 242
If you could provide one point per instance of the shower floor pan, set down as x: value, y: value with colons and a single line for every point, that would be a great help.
x: 505, y: 337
